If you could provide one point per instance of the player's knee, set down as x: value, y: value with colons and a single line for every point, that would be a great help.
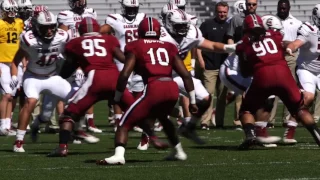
x: 69, y: 117
x: 307, y: 98
x: 203, y: 106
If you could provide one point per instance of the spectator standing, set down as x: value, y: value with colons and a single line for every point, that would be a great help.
x: 234, y: 34
x: 214, y: 30
x: 290, y: 29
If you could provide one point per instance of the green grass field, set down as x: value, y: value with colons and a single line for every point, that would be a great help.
x: 218, y: 159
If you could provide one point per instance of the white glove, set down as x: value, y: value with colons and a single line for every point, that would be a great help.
x: 80, y: 78
x: 14, y: 82
x: 230, y: 48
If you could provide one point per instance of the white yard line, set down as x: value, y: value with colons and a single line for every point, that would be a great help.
x: 157, y: 166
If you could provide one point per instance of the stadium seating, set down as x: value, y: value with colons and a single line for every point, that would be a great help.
x: 105, y: 7
x: 202, y: 8
x: 301, y: 9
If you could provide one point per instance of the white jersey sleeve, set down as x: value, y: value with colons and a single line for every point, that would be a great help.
x: 196, y: 35
x: 66, y: 18
x: 305, y: 31
x: 111, y: 20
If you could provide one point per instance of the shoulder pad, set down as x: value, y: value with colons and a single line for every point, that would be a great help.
x: 306, y: 28
x: 112, y: 18
x: 27, y: 38
x: 194, y: 32
x: 62, y: 35
x: 90, y: 12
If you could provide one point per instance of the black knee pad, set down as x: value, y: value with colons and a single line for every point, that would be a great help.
x: 268, y: 104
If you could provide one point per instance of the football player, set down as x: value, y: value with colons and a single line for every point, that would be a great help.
x: 178, y: 31
x: 42, y: 45
x: 125, y: 27
x: 94, y: 53
x: 153, y: 60
x: 11, y: 28
x: 260, y: 53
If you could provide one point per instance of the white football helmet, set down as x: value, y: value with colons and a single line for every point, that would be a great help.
x: 166, y: 8
x: 181, y: 4
x: 130, y: 8
x: 25, y: 9
x: 316, y: 15
x: 239, y: 7
x: 271, y: 22
x: 9, y: 8
x: 177, y: 22
x: 45, y: 25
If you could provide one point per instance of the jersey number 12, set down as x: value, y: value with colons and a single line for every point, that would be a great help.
x: 12, y: 37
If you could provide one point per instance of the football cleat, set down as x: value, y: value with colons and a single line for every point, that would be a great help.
x: 61, y: 151
x: 91, y: 127
x: 176, y: 156
x: 247, y: 143
x: 158, y: 127
x: 289, y: 135
x: 113, y: 160
x: 7, y: 132
x: 86, y: 137
x: 18, y: 146
x: 188, y: 131
x: 263, y: 137
x: 137, y: 129
x: 144, y: 142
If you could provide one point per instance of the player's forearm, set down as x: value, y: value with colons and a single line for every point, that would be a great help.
x: 20, y: 55
x: 217, y: 47
x: 122, y: 82
x: 189, y: 86
x: 14, y: 69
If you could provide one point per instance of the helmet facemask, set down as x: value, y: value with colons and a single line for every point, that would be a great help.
x: 315, y: 17
x: 130, y: 12
x: 78, y: 6
x: 25, y: 12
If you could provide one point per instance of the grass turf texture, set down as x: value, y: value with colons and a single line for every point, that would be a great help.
x: 218, y: 159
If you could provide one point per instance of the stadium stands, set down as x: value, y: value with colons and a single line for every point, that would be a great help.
x: 301, y: 9
x: 202, y: 8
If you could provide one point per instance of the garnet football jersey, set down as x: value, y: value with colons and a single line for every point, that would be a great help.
x: 93, y: 51
x: 267, y: 51
x: 153, y: 58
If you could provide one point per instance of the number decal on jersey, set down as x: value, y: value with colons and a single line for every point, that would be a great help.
x: 94, y: 47
x: 12, y: 37
x: 131, y: 35
x: 159, y: 52
x: 47, y: 60
x: 268, y: 45
x: 74, y: 31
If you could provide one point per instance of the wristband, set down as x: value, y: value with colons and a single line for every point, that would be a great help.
x: 192, y: 96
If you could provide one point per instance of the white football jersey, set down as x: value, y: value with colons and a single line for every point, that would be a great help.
x: 193, y: 39
x: 72, y: 20
x: 125, y: 31
x: 309, y: 52
x: 43, y: 57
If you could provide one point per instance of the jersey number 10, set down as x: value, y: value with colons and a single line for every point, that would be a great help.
x: 12, y: 37
x: 159, y: 58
